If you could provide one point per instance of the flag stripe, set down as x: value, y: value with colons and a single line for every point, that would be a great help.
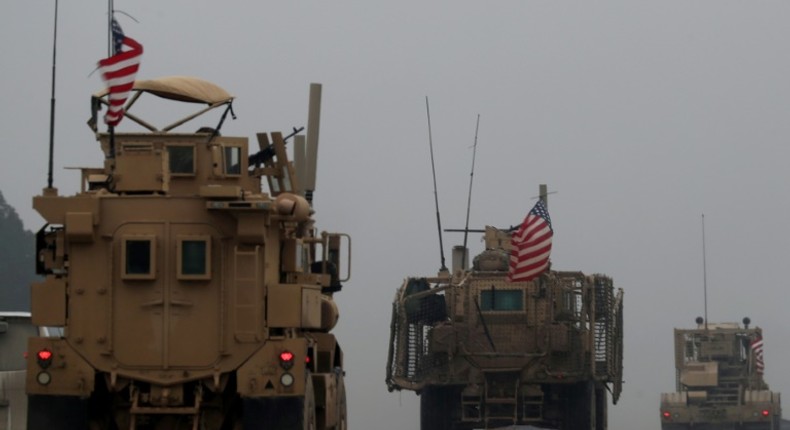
x: 528, y: 249
x: 536, y: 233
x: 530, y: 225
x: 120, y: 61
x: 532, y: 263
x: 121, y: 76
x: 531, y: 271
x: 532, y: 258
x: 527, y: 253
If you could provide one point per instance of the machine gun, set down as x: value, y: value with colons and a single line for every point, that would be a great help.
x: 267, y: 153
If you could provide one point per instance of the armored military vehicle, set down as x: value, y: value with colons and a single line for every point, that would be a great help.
x: 483, y: 352
x: 191, y: 297
x: 719, y: 381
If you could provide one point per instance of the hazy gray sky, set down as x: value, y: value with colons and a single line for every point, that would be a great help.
x: 642, y: 115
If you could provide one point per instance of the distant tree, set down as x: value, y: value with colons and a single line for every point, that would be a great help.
x: 17, y: 260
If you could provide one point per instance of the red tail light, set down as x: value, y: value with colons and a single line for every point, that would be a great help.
x: 666, y: 414
x: 766, y: 412
x: 286, y: 359
x: 44, y: 358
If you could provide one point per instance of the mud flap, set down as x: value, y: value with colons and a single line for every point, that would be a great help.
x: 254, y: 412
x: 56, y: 412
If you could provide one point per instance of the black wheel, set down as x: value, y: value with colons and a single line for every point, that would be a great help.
x: 308, y: 408
x: 436, y: 408
x: 286, y: 413
x: 601, y: 411
x: 578, y: 410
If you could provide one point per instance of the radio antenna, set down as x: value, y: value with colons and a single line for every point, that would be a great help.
x: 704, y: 273
x: 435, y: 192
x: 52, y: 100
x: 469, y: 199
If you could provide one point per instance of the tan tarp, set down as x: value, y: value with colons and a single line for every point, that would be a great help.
x: 181, y: 88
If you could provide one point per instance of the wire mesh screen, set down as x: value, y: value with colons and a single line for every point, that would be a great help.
x: 604, y: 320
x: 416, y: 312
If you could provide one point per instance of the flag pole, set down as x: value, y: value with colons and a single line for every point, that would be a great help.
x: 110, y: 53
x: 543, y: 195
x: 52, y: 101
x: 110, y: 13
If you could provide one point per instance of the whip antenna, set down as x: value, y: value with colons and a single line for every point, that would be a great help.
x: 435, y: 192
x: 469, y: 199
x: 52, y: 101
x: 704, y: 273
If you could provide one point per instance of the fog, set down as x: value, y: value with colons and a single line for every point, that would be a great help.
x: 640, y: 117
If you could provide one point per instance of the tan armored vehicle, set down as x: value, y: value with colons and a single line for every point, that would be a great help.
x: 483, y: 352
x: 719, y: 383
x: 191, y: 297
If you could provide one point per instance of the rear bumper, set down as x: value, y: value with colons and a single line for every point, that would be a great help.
x: 701, y: 415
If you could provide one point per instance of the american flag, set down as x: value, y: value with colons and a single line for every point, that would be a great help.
x: 757, y: 349
x: 531, y: 245
x: 119, y: 71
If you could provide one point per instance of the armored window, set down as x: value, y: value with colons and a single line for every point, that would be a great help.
x: 138, y: 256
x: 182, y: 159
x: 194, y: 257
x: 232, y: 160
x: 501, y: 300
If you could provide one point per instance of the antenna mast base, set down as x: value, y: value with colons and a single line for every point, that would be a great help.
x: 49, y: 192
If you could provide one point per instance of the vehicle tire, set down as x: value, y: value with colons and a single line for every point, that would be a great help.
x: 601, y: 412
x: 578, y: 408
x: 342, y: 417
x: 308, y: 407
x: 284, y: 413
x: 436, y: 406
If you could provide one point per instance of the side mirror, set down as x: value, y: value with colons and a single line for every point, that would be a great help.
x: 3, y: 327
